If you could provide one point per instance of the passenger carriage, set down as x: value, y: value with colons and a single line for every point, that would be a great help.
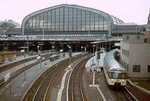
x: 114, y: 72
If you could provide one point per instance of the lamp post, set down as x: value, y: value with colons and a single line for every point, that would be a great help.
x: 81, y: 48
x: 39, y: 55
x: 38, y: 48
x: 93, y: 49
x: 70, y: 54
x: 14, y: 45
x: 25, y: 70
x: 84, y: 49
x: 27, y: 44
x: 76, y: 46
x: 53, y: 46
x: 23, y: 51
x: 97, y: 53
x: 53, y: 49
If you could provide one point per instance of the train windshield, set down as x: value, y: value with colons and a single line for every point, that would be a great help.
x: 117, y: 75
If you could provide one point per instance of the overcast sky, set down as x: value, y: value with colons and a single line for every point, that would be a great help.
x: 134, y: 11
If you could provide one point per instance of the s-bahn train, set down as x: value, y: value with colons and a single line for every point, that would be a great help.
x: 115, y: 73
x: 54, y: 57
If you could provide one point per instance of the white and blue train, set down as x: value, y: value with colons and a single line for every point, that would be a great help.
x: 114, y: 72
x: 54, y: 57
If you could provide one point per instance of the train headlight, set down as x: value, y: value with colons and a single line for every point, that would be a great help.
x: 112, y: 80
x: 123, y: 81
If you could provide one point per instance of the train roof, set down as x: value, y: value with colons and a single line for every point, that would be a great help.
x: 111, y: 62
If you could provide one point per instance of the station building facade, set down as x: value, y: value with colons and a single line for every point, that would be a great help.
x: 69, y: 22
x: 135, y: 55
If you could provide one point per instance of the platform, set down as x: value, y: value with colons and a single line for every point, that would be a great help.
x: 93, y: 62
x: 25, y: 80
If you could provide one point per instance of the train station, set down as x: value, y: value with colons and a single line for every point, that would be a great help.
x: 66, y: 24
x: 70, y: 52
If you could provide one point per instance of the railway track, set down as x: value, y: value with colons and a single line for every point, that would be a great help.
x: 75, y: 89
x: 41, y: 89
x: 123, y: 91
x: 133, y: 94
x: 9, y: 54
x: 19, y: 71
x: 118, y: 93
x: 13, y: 64
x: 129, y: 95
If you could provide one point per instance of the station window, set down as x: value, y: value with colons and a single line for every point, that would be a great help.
x: 136, y: 68
x: 148, y: 68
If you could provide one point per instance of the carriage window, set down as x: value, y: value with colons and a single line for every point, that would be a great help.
x: 116, y: 75
x: 136, y: 68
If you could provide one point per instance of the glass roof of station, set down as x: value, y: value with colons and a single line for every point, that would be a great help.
x: 110, y: 20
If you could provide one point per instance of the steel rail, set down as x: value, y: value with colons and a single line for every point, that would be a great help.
x: 131, y: 94
x: 19, y: 71
x: 76, y: 73
x: 42, y: 89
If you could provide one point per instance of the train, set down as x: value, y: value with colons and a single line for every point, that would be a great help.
x: 54, y: 57
x: 115, y: 73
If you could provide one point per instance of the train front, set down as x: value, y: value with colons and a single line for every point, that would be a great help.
x: 115, y: 73
x: 118, y: 78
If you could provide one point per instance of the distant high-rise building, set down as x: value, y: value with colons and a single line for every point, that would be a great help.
x: 148, y: 22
